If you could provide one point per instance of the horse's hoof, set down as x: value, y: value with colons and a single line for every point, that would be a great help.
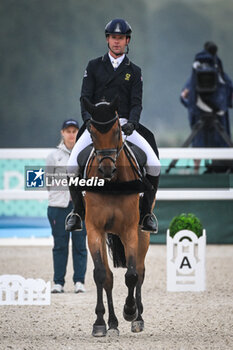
x: 113, y: 332
x: 99, y: 331
x: 137, y: 326
x: 130, y: 317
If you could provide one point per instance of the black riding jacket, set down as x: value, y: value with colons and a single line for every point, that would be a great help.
x: 102, y: 82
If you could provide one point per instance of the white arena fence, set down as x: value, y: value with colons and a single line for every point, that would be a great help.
x: 162, y: 195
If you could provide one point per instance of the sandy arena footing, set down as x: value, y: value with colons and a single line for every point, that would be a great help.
x: 176, y: 321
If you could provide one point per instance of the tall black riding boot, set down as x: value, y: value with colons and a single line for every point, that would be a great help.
x: 74, y: 219
x: 148, y: 220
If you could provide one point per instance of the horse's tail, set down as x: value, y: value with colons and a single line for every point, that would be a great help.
x: 116, y: 250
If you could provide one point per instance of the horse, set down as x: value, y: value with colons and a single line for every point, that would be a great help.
x: 112, y: 219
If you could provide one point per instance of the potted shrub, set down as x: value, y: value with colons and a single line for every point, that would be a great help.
x: 186, y: 222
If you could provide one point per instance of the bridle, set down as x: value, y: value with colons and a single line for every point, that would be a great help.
x: 108, y: 153
x: 113, y: 153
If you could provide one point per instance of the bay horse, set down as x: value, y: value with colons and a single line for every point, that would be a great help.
x: 113, y: 218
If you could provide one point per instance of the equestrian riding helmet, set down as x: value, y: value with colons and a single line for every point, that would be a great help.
x: 118, y: 26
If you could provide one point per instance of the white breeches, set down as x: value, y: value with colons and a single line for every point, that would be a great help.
x: 152, y: 165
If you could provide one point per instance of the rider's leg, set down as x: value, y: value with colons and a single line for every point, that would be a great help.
x: 83, y: 141
x: 74, y: 219
x: 148, y: 220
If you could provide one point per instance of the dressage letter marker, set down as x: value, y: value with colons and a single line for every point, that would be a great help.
x: 186, y: 262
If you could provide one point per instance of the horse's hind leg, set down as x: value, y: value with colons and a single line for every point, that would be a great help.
x: 143, y: 245
x: 108, y: 286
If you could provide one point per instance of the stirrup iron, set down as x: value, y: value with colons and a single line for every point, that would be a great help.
x: 67, y: 219
x: 156, y: 220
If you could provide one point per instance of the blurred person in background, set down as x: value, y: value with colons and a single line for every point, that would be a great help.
x: 208, y: 94
x: 60, y: 205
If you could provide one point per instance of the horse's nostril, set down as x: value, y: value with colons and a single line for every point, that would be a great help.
x: 107, y: 172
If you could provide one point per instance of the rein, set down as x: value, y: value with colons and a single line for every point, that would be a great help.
x: 129, y: 157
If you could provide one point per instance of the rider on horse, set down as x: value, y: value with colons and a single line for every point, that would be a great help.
x: 105, y: 77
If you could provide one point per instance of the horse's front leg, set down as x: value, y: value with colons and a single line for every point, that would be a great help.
x: 143, y: 245
x: 137, y: 325
x: 130, y: 311
x: 108, y: 286
x: 95, y: 246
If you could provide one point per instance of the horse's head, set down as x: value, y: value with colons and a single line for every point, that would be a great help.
x: 105, y: 132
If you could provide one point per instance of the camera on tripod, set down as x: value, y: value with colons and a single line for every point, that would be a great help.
x: 207, y: 95
x: 206, y: 78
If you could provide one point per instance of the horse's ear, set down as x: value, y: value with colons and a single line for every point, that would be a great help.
x: 88, y: 105
x: 115, y: 103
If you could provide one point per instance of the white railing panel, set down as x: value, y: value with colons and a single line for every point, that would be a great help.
x: 165, y: 153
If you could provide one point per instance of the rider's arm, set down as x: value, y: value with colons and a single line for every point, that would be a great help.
x: 136, y: 98
x: 87, y: 91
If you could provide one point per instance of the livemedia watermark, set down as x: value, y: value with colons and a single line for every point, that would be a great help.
x: 38, y: 178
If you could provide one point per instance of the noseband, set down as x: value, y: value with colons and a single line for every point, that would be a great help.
x: 106, y: 154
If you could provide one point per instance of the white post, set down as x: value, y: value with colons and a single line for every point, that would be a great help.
x: 186, y: 262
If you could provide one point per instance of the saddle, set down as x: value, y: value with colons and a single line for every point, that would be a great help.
x: 135, y: 155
